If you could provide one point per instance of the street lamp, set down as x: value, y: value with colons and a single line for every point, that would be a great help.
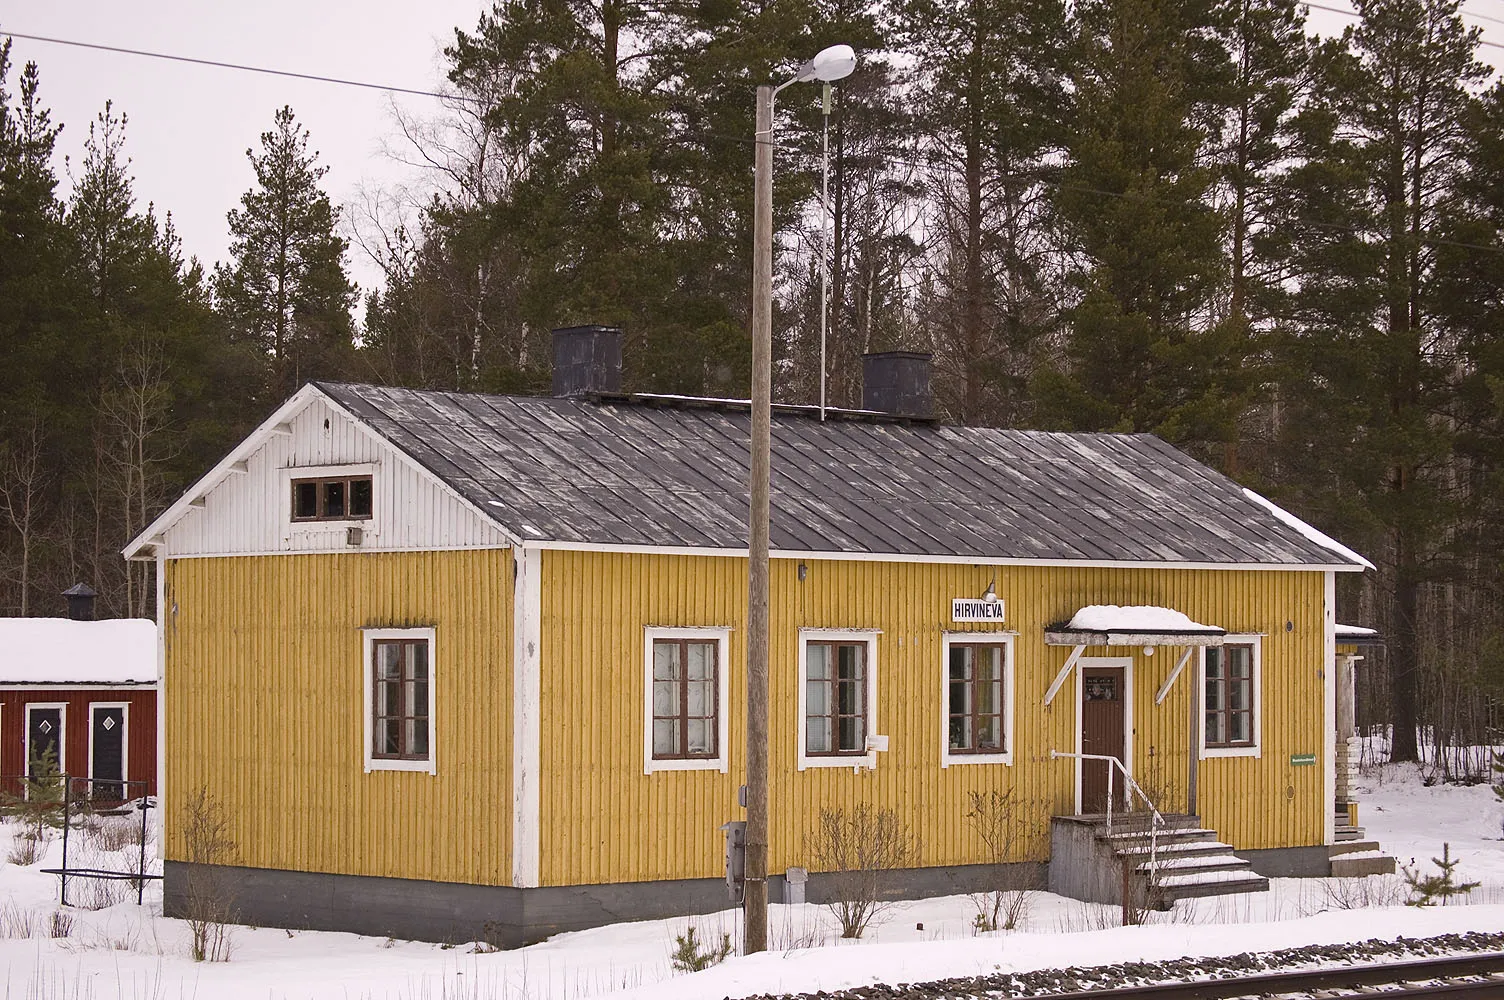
x: 830, y: 64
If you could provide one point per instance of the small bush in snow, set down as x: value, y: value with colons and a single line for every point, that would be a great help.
x: 998, y: 819
x: 1425, y: 890
x: 39, y: 807
x: 60, y: 925
x: 859, y: 847
x: 26, y: 849
x: 1362, y: 893
x: 209, y: 893
x: 16, y: 922
x: 694, y: 955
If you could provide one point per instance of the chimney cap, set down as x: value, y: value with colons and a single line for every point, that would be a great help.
x: 900, y: 355
x: 80, y: 590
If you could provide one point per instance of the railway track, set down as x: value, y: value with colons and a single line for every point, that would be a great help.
x: 1469, y: 977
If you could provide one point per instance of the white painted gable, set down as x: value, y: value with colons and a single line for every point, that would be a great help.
x: 249, y: 510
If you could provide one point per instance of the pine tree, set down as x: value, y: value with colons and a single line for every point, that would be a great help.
x: 1150, y: 76
x: 1270, y: 83
x: 286, y: 291
x: 1371, y: 393
x: 991, y: 112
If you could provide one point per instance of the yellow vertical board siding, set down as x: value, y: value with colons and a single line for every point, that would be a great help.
x: 265, y: 709
x: 603, y: 820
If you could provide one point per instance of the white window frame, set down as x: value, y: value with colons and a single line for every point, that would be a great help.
x: 125, y: 738
x: 867, y: 636
x: 1257, y: 720
x: 289, y: 474
x: 721, y: 636
x: 369, y: 637
x: 62, y: 738
x: 1004, y: 639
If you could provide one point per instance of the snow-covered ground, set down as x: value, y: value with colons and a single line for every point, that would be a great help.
x: 130, y: 952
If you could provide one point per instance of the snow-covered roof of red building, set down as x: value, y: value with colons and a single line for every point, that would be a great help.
x: 64, y: 651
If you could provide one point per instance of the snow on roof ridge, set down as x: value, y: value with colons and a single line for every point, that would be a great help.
x: 1309, y: 531
x: 1355, y: 630
x: 1135, y: 618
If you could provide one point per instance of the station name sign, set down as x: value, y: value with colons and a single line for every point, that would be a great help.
x: 970, y: 609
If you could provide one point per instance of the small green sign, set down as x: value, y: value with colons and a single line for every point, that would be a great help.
x: 1302, y: 760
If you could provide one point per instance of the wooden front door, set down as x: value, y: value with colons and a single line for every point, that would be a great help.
x: 1103, y: 704
x: 44, y: 731
x: 107, y: 753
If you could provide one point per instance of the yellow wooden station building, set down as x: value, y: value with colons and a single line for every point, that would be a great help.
x: 459, y: 665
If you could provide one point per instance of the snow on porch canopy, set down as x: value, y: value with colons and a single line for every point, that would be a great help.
x: 1140, y: 625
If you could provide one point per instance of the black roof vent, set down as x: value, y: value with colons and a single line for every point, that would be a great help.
x: 897, y: 382
x: 80, y: 602
x: 587, y: 359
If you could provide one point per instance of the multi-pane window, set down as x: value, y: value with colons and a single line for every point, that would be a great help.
x: 339, y: 498
x: 975, y: 696
x: 1229, y: 695
x: 835, y: 698
x: 400, y: 678
x: 685, y: 699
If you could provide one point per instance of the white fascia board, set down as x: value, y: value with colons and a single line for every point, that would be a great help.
x: 962, y: 560
x: 209, y: 480
x: 420, y: 468
x: 1310, y: 531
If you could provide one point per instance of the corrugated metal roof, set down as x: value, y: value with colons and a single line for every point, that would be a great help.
x: 624, y: 473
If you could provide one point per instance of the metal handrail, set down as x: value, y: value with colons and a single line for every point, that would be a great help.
x: 1155, y: 819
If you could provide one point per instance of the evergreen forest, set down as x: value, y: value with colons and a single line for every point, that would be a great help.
x: 1282, y: 253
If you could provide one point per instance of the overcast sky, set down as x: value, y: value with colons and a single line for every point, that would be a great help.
x: 190, y: 125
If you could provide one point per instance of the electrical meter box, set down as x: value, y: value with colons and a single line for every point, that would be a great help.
x: 736, y: 857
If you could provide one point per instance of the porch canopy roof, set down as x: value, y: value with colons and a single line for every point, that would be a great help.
x: 1138, y: 625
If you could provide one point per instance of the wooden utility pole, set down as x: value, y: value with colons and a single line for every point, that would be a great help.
x: 755, y: 886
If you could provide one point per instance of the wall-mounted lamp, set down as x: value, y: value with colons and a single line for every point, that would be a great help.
x: 1148, y: 650
x: 803, y: 572
x: 990, y: 595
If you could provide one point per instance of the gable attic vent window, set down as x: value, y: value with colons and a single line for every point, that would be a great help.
x: 339, y: 498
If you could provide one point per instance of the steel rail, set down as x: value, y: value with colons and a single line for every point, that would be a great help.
x: 1416, y: 978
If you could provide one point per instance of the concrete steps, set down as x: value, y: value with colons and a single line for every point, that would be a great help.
x: 1359, y: 858
x: 1183, y: 860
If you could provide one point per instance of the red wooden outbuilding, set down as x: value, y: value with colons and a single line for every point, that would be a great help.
x: 85, y: 689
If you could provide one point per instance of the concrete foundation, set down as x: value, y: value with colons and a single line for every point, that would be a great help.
x: 450, y: 912
x: 1290, y: 862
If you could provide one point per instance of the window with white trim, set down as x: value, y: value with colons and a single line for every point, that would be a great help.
x: 684, y: 680
x: 978, y: 699
x: 399, y: 699
x: 1230, y: 698
x: 837, y: 698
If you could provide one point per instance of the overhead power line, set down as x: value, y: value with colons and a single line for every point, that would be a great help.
x: 239, y: 66
x: 1353, y: 13
x: 926, y: 164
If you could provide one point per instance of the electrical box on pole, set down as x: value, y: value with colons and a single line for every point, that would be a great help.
x: 736, y: 857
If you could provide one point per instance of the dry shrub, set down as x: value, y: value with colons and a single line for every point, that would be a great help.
x: 999, y: 820
x: 60, y: 924
x: 16, y: 922
x: 109, y: 834
x: 209, y: 891
x: 858, y: 848
x: 1363, y: 893
x: 27, y: 848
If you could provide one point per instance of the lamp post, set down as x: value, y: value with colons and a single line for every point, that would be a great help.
x: 831, y: 64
